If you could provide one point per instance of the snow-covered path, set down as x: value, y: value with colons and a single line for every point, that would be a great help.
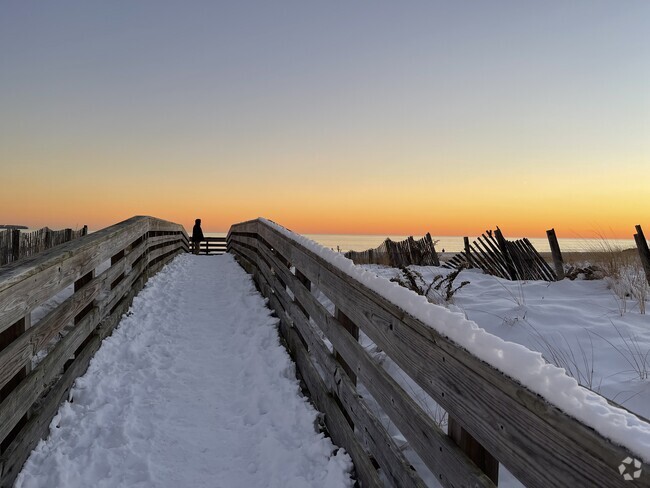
x: 192, y: 390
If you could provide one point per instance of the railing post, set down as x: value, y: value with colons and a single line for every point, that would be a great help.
x: 354, y: 332
x: 80, y: 283
x: 644, y: 252
x: 7, y: 336
x: 475, y: 451
x: 305, y: 281
x: 558, y: 262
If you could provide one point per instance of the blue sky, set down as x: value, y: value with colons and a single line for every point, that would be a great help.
x: 348, y: 100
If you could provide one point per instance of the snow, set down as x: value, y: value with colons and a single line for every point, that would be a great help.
x: 514, y: 359
x: 192, y: 389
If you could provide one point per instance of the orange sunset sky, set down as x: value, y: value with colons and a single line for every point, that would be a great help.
x: 367, y: 117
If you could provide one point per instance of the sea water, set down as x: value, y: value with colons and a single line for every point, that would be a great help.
x: 361, y: 242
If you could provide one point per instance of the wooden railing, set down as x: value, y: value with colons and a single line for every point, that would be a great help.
x: 493, y: 417
x: 213, y: 245
x: 126, y: 254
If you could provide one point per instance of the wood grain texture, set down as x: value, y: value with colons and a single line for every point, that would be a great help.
x: 644, y: 252
x: 451, y: 466
x: 540, y: 444
x: 12, y: 460
x: 376, y: 439
x: 336, y: 424
x: 34, y: 280
x: 95, y: 308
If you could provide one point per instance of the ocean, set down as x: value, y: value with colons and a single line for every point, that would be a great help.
x: 352, y: 242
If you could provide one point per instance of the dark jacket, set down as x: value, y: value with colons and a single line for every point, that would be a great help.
x: 197, y: 233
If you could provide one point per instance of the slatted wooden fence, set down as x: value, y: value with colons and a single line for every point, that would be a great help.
x: 15, y: 244
x: 410, y: 251
x: 493, y: 416
x: 496, y: 256
x: 132, y: 251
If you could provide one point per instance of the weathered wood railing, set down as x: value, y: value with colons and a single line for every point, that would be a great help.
x: 212, y: 245
x: 538, y: 443
x: 126, y: 254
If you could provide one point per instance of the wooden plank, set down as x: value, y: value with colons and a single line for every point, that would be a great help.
x: 20, y: 400
x: 543, y: 264
x: 161, y: 251
x: 644, y: 252
x: 170, y: 239
x: 13, y: 458
x: 34, y: 280
x: 377, y: 440
x: 437, y: 451
x: 20, y: 351
x: 37, y: 427
x: 494, y: 249
x: 353, y: 330
x: 156, y: 224
x: 488, y: 262
x: 523, y: 262
x: 504, y: 255
x: 114, y: 296
x: 336, y: 424
x: 536, y: 441
x: 468, y: 254
x: 12, y: 377
x: 27, y: 392
x: 15, y: 244
x: 474, y: 450
x: 541, y: 268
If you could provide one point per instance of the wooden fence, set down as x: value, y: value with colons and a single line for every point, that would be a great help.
x: 213, y: 245
x: 132, y: 251
x: 15, y: 244
x: 492, y: 416
x: 644, y: 251
x: 420, y: 252
x: 496, y: 256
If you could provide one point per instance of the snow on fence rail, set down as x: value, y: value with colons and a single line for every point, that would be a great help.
x: 106, y: 269
x: 494, y: 416
x: 15, y: 245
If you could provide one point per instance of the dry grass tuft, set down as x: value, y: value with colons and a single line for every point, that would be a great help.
x: 620, y: 268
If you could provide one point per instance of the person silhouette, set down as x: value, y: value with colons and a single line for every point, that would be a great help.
x: 197, y: 236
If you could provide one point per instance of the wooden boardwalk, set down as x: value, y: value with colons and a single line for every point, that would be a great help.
x: 494, y: 419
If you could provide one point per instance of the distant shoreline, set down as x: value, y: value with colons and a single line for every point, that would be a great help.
x: 13, y: 227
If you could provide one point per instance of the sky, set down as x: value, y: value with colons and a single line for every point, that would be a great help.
x: 328, y: 117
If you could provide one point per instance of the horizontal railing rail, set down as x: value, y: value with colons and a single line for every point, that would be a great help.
x: 96, y: 277
x: 212, y: 245
x: 492, y: 416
